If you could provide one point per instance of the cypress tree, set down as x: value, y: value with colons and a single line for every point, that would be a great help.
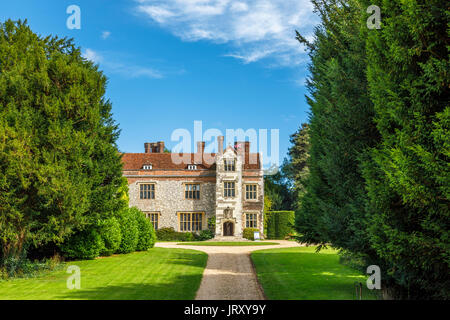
x: 408, y: 174
x: 60, y: 169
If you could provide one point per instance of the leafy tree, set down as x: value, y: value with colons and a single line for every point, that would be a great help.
x: 267, y: 203
x: 408, y: 174
x: 378, y: 183
x: 341, y: 130
x: 60, y: 169
x: 296, y: 167
x: 277, y: 192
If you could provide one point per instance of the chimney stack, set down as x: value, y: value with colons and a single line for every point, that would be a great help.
x: 243, y: 148
x: 247, y: 147
x: 220, y: 145
x: 160, y: 146
x: 201, y: 147
x: 198, y: 157
x: 152, y: 147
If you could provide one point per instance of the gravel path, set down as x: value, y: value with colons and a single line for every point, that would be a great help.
x: 229, y: 272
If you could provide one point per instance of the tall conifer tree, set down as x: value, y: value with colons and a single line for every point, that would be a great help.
x: 59, y: 165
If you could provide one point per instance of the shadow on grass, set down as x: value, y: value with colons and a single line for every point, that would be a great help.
x: 307, y: 275
x: 179, y: 288
x: 149, y: 285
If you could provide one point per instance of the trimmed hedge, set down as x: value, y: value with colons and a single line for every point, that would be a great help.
x: 278, y: 224
x: 169, y: 234
x: 249, y: 233
x: 111, y: 235
x: 83, y: 245
x: 146, y: 233
x: 129, y: 229
x: 126, y: 232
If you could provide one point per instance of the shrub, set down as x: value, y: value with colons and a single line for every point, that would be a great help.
x: 111, y: 235
x: 21, y: 266
x: 146, y: 233
x: 205, y: 235
x: 129, y: 230
x: 186, y: 236
x: 166, y: 234
x: 84, y: 244
x: 279, y: 224
x: 212, y: 223
x: 249, y: 233
x: 169, y: 234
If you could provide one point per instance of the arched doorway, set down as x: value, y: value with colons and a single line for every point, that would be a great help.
x: 228, y: 228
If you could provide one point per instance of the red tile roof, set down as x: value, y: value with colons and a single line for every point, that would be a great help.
x: 135, y: 161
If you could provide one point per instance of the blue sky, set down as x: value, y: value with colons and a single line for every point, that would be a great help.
x: 229, y: 63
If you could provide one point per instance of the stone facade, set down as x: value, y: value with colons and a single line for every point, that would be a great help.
x: 169, y: 180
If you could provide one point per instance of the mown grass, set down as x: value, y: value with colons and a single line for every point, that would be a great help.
x: 157, y: 274
x: 226, y: 243
x: 302, y: 274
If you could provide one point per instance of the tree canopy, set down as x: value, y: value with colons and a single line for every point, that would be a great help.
x: 60, y: 169
x: 378, y: 181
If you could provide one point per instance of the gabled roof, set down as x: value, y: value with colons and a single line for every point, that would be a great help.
x: 163, y: 161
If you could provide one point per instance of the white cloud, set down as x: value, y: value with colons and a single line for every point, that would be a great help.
x: 255, y: 29
x: 128, y: 70
x: 105, y: 34
x: 92, y: 56
x: 238, y: 6
x: 159, y: 14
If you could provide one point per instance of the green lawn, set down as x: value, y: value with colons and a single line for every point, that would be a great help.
x: 165, y: 274
x: 227, y: 243
x: 302, y: 274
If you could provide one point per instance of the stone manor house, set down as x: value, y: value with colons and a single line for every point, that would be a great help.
x: 184, y: 194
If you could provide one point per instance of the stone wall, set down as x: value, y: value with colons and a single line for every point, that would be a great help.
x: 170, y: 199
x: 232, y: 204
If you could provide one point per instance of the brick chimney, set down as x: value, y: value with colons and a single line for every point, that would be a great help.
x: 220, y: 144
x: 198, y: 158
x: 243, y: 148
x: 160, y: 146
x: 154, y: 147
x: 247, y: 147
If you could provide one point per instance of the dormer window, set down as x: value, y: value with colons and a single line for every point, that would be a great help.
x: 147, y: 167
x: 229, y: 165
x: 192, y: 167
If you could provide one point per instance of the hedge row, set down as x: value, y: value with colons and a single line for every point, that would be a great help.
x: 128, y: 231
x: 249, y: 233
x: 278, y: 224
x: 169, y: 234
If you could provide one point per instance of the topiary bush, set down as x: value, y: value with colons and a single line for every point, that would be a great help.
x: 279, y: 224
x: 249, y: 233
x: 85, y: 244
x: 111, y: 234
x: 129, y: 229
x: 147, y: 235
